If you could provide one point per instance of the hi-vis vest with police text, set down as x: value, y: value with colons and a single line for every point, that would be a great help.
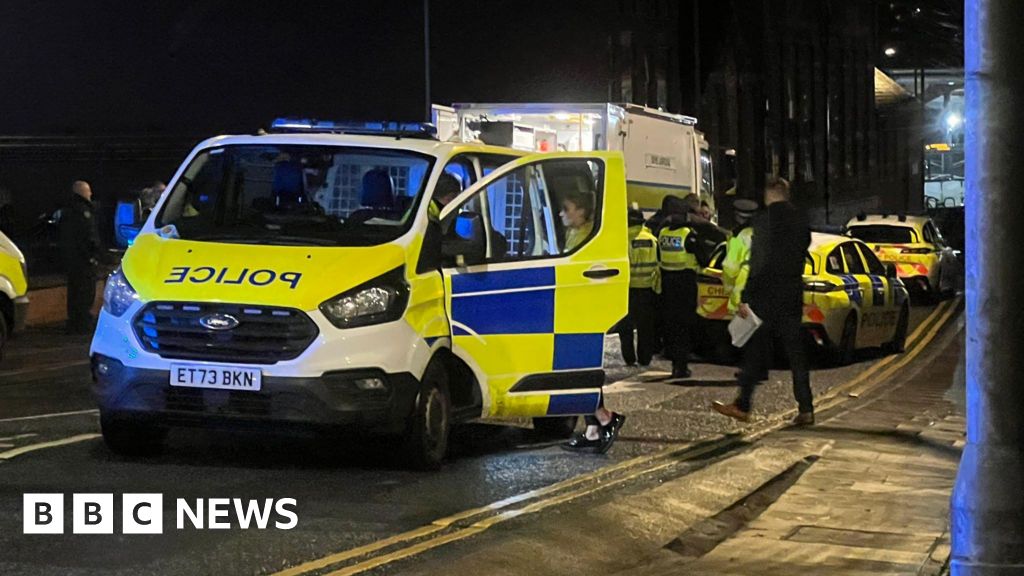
x: 643, y: 258
x: 674, y: 257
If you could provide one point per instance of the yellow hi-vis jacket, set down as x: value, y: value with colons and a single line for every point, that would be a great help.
x: 736, y: 266
x: 643, y: 258
x: 673, y: 253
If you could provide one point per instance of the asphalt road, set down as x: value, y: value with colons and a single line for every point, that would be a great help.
x: 347, y: 495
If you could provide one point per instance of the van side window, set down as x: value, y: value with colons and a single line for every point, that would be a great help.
x: 539, y: 210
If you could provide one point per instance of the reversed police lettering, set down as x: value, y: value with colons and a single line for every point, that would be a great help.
x: 231, y: 276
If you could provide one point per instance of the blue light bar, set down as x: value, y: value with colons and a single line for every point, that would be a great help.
x: 306, y: 125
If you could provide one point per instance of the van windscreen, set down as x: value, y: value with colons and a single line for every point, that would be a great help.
x: 297, y: 195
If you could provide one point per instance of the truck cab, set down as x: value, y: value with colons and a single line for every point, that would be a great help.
x: 302, y: 278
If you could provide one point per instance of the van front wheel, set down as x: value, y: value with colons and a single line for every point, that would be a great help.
x: 426, y: 437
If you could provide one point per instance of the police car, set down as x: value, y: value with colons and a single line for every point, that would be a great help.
x: 13, y: 290
x: 924, y: 261
x: 851, y: 300
x: 299, y: 278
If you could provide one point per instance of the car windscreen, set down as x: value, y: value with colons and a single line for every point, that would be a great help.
x: 878, y: 234
x: 298, y: 195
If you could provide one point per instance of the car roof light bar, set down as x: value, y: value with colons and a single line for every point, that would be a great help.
x: 373, y: 128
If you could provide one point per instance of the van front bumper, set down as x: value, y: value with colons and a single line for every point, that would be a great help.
x: 362, y: 399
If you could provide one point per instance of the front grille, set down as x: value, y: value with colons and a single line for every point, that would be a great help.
x: 264, y: 334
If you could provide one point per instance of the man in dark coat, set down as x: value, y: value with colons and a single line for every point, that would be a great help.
x: 774, y: 292
x: 79, y: 250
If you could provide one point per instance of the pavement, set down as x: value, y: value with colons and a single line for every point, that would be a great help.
x: 683, y: 488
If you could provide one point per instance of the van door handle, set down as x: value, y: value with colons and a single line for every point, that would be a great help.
x: 602, y: 273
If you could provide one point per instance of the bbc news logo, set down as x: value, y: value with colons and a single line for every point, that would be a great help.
x: 144, y: 514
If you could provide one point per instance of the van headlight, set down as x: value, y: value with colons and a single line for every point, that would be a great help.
x: 380, y: 300
x: 118, y: 295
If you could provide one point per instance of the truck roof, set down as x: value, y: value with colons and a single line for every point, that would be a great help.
x: 600, y: 108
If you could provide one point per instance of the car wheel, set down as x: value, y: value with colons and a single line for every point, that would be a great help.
x: 555, y: 428
x: 846, y: 353
x: 426, y: 438
x: 899, y: 338
x: 131, y: 438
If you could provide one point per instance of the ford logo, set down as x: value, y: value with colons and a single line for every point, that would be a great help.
x: 219, y: 321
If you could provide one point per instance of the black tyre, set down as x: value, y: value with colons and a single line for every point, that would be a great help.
x: 129, y: 438
x: 899, y: 338
x: 426, y: 437
x: 846, y: 353
x: 555, y: 428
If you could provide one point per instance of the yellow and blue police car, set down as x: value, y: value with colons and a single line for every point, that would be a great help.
x: 924, y: 261
x: 299, y: 278
x: 851, y: 300
x: 13, y: 290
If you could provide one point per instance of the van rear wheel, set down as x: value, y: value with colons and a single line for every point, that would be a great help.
x: 555, y: 428
x: 129, y: 438
x: 426, y: 437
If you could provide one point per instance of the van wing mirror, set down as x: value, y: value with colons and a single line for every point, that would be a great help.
x: 464, y: 242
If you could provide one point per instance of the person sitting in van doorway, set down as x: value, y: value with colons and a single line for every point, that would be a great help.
x: 80, y: 251
x: 578, y: 217
x: 603, y: 426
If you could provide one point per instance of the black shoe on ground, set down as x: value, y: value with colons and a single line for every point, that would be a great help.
x: 681, y: 372
x: 804, y: 419
x: 580, y: 443
x: 610, y: 432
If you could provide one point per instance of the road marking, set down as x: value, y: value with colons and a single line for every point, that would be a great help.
x: 17, y: 437
x: 49, y: 368
x: 44, y: 445
x: 917, y: 342
x: 53, y: 415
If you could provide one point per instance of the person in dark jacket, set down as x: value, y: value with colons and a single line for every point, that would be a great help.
x: 79, y: 250
x: 774, y: 292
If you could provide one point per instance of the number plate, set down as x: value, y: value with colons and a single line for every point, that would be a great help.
x: 218, y: 377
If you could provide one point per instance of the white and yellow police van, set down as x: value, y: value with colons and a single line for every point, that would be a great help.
x: 302, y: 278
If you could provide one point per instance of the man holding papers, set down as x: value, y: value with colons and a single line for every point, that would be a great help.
x: 774, y: 294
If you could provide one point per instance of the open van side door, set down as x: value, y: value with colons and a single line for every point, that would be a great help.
x: 536, y: 272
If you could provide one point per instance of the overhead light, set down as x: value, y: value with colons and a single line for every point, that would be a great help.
x: 562, y: 116
x: 951, y: 83
x: 953, y: 121
x: 890, y: 51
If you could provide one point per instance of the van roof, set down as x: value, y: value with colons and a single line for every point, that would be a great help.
x: 423, y: 146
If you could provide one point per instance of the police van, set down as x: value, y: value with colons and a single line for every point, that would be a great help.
x: 301, y: 277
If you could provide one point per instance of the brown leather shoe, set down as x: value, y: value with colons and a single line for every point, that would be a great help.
x: 730, y: 410
x: 804, y: 419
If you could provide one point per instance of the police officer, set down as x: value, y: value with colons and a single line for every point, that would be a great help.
x: 736, y: 264
x: 79, y: 249
x: 678, y: 249
x: 446, y: 189
x: 643, y: 281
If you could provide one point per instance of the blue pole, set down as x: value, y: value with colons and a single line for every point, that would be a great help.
x: 987, y: 508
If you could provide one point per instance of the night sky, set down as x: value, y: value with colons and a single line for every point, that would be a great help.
x: 212, y: 66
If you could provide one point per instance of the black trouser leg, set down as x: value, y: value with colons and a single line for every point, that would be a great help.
x: 788, y: 332
x: 755, y: 362
x: 642, y: 310
x: 81, y: 292
x: 625, y: 329
x: 680, y: 292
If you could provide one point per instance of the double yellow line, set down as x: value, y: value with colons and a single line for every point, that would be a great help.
x: 476, y: 520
